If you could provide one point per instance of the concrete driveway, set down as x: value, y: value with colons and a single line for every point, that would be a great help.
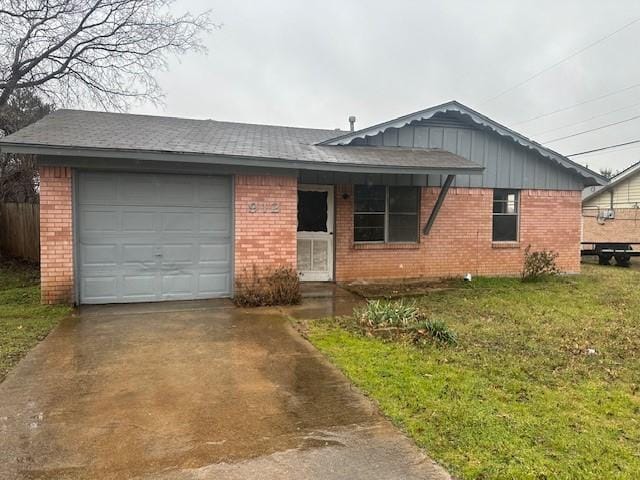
x: 192, y: 390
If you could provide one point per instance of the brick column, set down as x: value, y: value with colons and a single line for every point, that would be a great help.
x: 266, y: 218
x: 56, y: 235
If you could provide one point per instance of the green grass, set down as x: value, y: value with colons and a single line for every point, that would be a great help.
x: 518, y: 397
x: 23, y: 321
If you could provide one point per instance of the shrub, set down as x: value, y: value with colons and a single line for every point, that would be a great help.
x: 435, y: 330
x: 385, y: 314
x: 402, y: 319
x: 280, y: 286
x: 539, y: 264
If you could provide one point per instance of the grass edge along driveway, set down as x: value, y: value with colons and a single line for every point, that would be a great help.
x: 23, y: 321
x: 522, y: 395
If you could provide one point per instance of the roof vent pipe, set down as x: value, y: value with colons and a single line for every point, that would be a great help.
x: 352, y: 122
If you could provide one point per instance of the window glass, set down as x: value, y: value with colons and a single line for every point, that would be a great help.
x: 386, y: 214
x: 370, y: 198
x: 403, y: 199
x: 512, y: 206
x: 505, y: 215
x: 369, y: 227
x: 505, y: 201
x: 403, y: 228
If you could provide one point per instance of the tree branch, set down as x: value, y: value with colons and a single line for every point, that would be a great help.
x: 86, y: 50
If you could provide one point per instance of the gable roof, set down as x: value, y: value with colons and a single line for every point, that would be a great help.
x: 82, y: 133
x: 627, y: 173
x: 479, y: 120
x: 147, y: 137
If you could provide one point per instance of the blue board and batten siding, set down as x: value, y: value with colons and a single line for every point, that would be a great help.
x: 507, y: 163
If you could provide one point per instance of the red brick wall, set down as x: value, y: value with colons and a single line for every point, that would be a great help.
x: 265, y: 238
x: 460, y: 240
x: 56, y: 235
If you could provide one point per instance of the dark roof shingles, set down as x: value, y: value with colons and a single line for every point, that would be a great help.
x: 114, y: 131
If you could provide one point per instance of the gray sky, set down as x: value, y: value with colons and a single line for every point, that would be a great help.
x: 312, y: 64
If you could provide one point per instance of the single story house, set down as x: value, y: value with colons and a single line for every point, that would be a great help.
x: 611, y: 213
x: 139, y: 208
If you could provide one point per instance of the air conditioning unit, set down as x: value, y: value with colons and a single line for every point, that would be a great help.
x: 607, y: 214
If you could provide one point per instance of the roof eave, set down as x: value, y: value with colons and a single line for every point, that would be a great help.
x: 233, y: 160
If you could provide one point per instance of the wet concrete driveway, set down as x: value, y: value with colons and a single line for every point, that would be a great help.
x: 192, y: 390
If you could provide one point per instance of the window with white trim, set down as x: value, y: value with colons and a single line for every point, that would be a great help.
x: 385, y: 214
x: 505, y: 215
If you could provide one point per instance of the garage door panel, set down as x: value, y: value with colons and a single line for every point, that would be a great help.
x: 99, y: 220
x: 179, y: 253
x: 100, y: 289
x: 180, y: 222
x: 135, y: 254
x: 178, y: 284
x: 211, y: 284
x: 215, y: 253
x: 214, y: 222
x: 213, y: 197
x: 139, y: 285
x: 136, y: 190
x: 179, y: 192
x: 146, y: 237
x: 95, y: 191
x: 100, y: 255
x: 138, y: 221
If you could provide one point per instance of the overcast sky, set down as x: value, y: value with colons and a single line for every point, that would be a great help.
x: 312, y: 64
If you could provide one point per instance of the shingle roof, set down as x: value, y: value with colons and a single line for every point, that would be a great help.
x: 77, y: 131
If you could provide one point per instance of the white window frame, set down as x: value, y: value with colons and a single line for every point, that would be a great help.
x: 516, y: 214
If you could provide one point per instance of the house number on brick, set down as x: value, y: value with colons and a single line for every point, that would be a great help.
x: 264, y: 207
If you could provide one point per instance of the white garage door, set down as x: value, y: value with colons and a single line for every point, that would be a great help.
x: 149, y: 237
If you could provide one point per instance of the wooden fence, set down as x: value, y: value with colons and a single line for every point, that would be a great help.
x: 20, y: 231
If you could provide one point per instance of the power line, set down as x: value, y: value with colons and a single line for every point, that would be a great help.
x: 604, y: 152
x: 603, y: 148
x: 569, y: 57
x: 626, y: 107
x: 584, y: 102
x: 635, y: 117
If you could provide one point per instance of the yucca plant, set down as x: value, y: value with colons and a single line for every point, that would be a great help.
x: 435, y: 330
x: 385, y: 314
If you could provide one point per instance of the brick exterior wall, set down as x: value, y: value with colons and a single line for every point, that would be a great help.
x: 624, y: 228
x: 56, y: 235
x: 264, y: 238
x: 460, y: 240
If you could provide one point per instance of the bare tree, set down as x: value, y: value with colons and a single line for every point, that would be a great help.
x: 102, y: 52
x: 18, y: 174
x: 606, y: 173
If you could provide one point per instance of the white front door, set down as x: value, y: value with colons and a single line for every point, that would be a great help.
x: 315, y: 233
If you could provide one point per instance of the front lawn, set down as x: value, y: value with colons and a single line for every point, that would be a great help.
x: 543, y: 383
x: 23, y: 321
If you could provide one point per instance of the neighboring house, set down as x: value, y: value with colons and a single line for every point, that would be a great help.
x: 144, y: 208
x: 610, y: 213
